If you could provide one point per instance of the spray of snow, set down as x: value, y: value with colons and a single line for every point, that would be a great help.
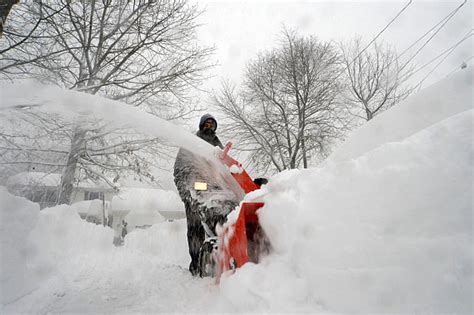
x: 81, y: 106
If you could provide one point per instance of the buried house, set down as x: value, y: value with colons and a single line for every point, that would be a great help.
x: 43, y: 188
x: 99, y: 203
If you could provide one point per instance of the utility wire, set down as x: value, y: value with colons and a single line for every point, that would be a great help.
x: 469, y: 34
x: 383, y: 30
x: 439, y: 63
x: 446, y: 20
x: 431, y: 29
x: 375, y: 38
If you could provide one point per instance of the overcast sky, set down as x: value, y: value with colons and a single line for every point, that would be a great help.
x: 241, y: 29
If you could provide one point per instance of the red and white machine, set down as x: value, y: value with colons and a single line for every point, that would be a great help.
x: 244, y: 240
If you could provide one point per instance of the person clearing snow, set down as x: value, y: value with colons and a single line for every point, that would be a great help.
x: 195, y: 179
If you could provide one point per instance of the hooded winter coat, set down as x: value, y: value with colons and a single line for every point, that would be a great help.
x: 189, y: 168
x: 208, y: 135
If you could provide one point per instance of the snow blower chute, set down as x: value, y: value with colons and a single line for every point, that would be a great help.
x: 244, y: 240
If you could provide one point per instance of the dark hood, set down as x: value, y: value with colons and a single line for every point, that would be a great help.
x: 204, y: 118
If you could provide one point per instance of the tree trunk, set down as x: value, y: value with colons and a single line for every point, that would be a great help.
x: 305, y: 158
x: 67, y: 179
x: 5, y: 7
x: 369, y: 114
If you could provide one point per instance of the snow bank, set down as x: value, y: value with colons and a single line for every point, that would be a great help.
x: 421, y: 110
x: 66, y: 240
x: 389, y: 231
x: 36, y: 245
x: 45, y: 254
x: 18, y: 216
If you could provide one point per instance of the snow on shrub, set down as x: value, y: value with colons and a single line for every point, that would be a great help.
x: 64, y: 238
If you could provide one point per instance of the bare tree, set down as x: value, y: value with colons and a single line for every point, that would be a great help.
x: 376, y: 81
x: 285, y: 114
x: 141, y: 52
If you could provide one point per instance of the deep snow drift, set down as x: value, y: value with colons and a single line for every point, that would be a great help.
x: 388, y: 232
x: 379, y: 228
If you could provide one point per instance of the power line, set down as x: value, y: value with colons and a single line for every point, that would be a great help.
x: 469, y: 34
x: 439, y: 63
x: 377, y: 36
x: 383, y: 30
x: 432, y: 70
x: 431, y: 29
x: 449, y: 17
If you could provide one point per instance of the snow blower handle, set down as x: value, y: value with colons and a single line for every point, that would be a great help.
x: 226, y: 149
x: 241, y: 176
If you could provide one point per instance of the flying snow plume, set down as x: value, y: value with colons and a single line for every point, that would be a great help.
x: 79, y: 106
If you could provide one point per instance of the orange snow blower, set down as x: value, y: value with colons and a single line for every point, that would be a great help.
x: 244, y: 240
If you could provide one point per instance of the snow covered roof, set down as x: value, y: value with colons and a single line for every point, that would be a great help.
x: 48, y: 180
x: 35, y: 179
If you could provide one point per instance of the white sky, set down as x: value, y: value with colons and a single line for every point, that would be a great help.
x: 241, y: 29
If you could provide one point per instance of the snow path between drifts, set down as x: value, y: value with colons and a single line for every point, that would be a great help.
x: 132, y: 283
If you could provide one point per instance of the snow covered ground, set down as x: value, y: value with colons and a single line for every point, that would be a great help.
x: 384, y: 226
